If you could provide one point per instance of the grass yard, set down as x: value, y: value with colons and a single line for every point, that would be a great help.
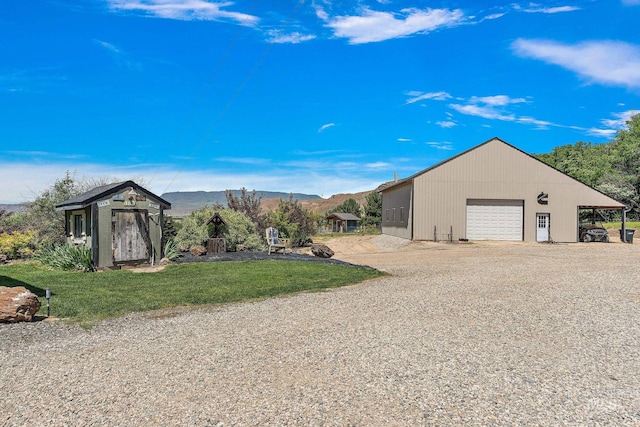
x: 630, y: 224
x: 87, y: 298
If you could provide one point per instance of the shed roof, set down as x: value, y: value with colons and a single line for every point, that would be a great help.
x: 85, y: 199
x: 343, y: 216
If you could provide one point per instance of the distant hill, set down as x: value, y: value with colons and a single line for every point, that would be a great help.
x: 321, y: 205
x: 12, y: 207
x: 185, y: 202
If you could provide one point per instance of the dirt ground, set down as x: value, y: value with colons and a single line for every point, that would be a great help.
x: 389, y: 253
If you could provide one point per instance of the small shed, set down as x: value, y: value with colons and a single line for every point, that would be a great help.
x: 122, y: 223
x: 342, y: 223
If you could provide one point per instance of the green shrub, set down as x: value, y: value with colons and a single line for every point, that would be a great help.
x: 171, y: 250
x: 193, y: 230
x: 240, y: 230
x: 19, y: 244
x: 66, y: 257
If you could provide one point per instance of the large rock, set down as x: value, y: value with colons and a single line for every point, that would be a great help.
x: 198, y: 250
x: 17, y: 304
x: 322, y: 251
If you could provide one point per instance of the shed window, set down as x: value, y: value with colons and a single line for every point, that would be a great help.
x: 386, y: 214
x: 393, y: 217
x: 401, y: 214
x: 77, y: 226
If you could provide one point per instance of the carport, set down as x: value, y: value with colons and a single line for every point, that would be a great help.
x: 623, y: 211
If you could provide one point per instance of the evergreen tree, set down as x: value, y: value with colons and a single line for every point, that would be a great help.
x: 373, y: 209
x: 349, y: 206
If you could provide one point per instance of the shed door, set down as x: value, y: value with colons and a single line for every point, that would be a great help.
x: 494, y: 219
x: 130, y: 235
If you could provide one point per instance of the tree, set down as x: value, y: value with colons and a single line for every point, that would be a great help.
x: 293, y: 221
x: 349, y: 206
x: 41, y: 214
x: 613, y: 167
x: 373, y: 209
x: 248, y: 204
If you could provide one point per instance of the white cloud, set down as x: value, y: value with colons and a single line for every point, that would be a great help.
x: 378, y: 165
x: 416, y: 96
x: 559, y: 9
x: 243, y: 160
x: 185, y: 10
x: 631, y: 2
x: 22, y: 185
x: 606, y: 62
x: 484, y: 111
x: 620, y: 120
x: 292, y: 38
x: 373, y: 26
x: 447, y: 146
x: 120, y: 57
x: 493, y: 16
x: 325, y: 127
x: 604, y: 133
x: 447, y: 124
x: 496, y: 100
x: 404, y: 140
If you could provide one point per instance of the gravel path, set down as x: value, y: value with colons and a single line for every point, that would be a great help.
x: 462, y: 334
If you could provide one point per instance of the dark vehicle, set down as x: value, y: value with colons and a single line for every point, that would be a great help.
x: 593, y: 233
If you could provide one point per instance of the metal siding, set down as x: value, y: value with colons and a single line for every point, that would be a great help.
x: 399, y: 197
x: 496, y: 170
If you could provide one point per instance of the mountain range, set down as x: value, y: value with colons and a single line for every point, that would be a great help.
x: 185, y: 202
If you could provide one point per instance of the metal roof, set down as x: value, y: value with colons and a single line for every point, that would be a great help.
x: 343, y: 216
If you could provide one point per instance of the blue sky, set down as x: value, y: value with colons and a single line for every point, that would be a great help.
x: 315, y: 96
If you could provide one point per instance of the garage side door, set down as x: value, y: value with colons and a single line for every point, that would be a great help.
x: 494, y: 219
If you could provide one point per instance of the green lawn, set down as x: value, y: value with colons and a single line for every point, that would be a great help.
x: 630, y: 224
x: 87, y: 298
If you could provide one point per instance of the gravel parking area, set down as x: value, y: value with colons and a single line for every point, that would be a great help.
x: 458, y: 334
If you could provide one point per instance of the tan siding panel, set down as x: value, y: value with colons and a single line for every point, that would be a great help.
x: 496, y: 170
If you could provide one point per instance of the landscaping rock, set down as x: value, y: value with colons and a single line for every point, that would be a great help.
x: 322, y: 251
x: 17, y: 304
x: 198, y: 250
x: 165, y: 261
x: 3, y: 259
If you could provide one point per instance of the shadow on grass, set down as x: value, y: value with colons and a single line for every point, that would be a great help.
x: 13, y: 283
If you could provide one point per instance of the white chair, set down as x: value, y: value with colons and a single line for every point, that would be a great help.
x: 273, y: 242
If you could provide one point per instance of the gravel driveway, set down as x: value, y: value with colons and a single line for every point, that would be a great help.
x: 459, y: 334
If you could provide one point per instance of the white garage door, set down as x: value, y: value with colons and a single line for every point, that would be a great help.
x: 494, y: 219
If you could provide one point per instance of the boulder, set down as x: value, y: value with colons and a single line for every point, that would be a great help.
x: 17, y: 304
x: 322, y: 251
x: 165, y: 261
x: 198, y: 250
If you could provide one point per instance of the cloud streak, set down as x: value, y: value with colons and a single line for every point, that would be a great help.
x: 551, y: 10
x: 325, y: 127
x: 186, y: 10
x: 606, y: 62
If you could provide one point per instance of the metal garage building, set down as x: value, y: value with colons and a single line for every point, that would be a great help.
x: 493, y: 191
